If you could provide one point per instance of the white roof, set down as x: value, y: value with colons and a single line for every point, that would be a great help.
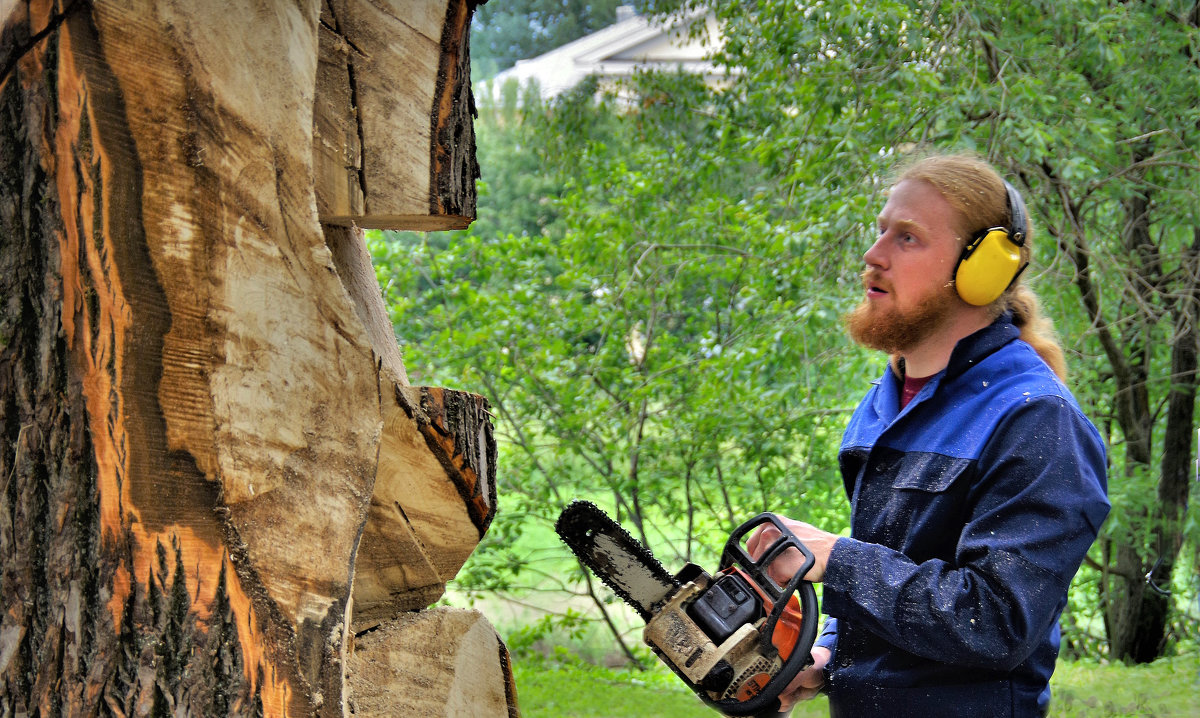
x: 633, y: 42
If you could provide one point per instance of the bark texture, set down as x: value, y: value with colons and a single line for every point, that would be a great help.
x: 204, y: 417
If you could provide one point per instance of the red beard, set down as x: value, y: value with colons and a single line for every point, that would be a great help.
x: 893, y: 330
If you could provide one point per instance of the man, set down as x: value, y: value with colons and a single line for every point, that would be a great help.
x: 976, y: 483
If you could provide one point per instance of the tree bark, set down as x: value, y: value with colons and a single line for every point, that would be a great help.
x: 1137, y: 577
x: 204, y: 417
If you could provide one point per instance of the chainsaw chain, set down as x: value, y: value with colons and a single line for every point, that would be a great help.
x: 579, y: 525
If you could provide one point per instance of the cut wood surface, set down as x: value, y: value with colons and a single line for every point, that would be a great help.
x: 434, y: 495
x: 385, y: 65
x: 204, y: 416
x: 432, y: 664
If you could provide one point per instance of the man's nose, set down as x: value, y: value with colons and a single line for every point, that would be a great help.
x: 875, y: 256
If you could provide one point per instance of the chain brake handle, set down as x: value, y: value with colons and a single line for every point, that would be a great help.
x: 766, y: 703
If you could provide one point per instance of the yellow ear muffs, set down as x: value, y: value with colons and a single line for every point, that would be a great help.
x: 989, y: 264
x: 991, y: 261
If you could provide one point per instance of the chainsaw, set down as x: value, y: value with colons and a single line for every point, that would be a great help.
x: 738, y: 638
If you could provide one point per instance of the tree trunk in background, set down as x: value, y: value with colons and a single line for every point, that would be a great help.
x: 212, y: 468
x: 1137, y: 594
x: 1175, y: 486
x: 1138, y: 564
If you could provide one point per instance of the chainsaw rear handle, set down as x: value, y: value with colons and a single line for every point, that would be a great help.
x: 766, y: 704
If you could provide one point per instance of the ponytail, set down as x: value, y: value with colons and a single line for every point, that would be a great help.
x: 1037, y: 330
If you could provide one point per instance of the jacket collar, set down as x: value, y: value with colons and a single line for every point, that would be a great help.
x: 969, y: 351
x: 976, y: 347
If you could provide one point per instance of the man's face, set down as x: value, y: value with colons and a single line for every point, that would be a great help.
x: 908, y: 285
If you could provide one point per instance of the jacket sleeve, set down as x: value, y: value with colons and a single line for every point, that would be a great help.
x: 828, y: 636
x: 1036, y: 504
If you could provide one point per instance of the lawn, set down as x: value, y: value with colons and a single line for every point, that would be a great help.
x: 1167, y: 688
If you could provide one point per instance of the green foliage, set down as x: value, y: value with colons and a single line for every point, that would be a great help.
x: 523, y: 641
x: 650, y: 295
x: 650, y: 333
x: 612, y: 332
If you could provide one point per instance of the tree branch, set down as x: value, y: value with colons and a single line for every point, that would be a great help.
x: 1080, y: 256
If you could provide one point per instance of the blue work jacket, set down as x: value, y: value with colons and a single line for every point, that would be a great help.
x: 972, y: 509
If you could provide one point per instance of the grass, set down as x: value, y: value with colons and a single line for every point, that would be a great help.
x: 1167, y: 688
x: 546, y: 689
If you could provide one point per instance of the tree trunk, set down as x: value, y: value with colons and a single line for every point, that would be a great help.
x: 204, y: 417
x: 1138, y: 565
x: 1137, y: 614
x: 1139, y: 591
x: 1174, y: 487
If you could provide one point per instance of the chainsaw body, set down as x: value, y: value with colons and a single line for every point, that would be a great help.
x: 737, y: 638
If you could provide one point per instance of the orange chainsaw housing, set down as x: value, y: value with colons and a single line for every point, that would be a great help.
x: 791, y: 623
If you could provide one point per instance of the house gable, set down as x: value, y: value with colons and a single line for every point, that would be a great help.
x: 616, y: 52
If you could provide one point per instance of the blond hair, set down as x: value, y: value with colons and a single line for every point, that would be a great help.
x: 978, y: 195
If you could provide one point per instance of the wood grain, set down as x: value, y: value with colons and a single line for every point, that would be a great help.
x: 200, y: 394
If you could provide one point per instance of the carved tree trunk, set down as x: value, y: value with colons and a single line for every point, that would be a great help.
x: 213, y: 472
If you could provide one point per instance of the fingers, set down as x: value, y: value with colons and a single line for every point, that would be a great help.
x: 801, y: 695
x: 808, y: 682
x: 803, y: 687
x: 784, y: 566
x: 819, y: 542
x: 761, y: 539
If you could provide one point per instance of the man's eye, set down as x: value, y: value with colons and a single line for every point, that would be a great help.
x: 907, y: 238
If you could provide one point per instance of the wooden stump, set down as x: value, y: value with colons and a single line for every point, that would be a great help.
x: 428, y: 664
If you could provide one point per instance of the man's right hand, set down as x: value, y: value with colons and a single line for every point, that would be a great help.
x: 808, y: 682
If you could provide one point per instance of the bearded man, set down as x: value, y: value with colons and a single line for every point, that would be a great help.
x: 975, y: 481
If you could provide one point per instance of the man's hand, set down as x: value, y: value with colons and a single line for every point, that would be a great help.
x: 781, y: 570
x: 807, y: 682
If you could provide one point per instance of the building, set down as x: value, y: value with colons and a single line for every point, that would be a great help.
x: 616, y: 52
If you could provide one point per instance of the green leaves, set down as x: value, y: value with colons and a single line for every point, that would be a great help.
x: 651, y: 294
x: 638, y: 334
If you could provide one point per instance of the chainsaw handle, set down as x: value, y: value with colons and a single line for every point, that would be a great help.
x: 734, y: 554
x: 766, y: 704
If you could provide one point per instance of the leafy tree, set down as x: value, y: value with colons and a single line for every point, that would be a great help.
x: 1091, y: 106
x: 642, y: 343
x: 1118, y: 189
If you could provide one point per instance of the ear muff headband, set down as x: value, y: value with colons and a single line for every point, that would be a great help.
x: 991, y: 261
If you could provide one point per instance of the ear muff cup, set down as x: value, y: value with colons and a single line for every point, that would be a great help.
x: 991, y: 261
x: 989, y: 264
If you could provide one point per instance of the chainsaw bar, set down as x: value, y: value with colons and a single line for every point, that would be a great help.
x: 619, y: 560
